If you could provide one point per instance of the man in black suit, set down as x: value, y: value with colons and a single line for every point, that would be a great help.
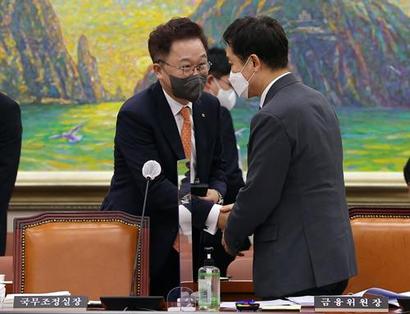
x: 169, y: 121
x: 293, y: 200
x: 10, y: 146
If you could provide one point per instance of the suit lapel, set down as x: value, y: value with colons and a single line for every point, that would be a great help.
x: 279, y: 84
x: 167, y: 122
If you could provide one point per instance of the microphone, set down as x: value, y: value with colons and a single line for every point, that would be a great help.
x: 150, y: 170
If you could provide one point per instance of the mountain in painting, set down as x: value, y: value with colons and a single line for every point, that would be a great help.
x: 34, y: 62
x: 355, y: 52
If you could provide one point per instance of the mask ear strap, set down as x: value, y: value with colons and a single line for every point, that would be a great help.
x: 251, y: 76
x: 244, y: 68
x: 245, y: 64
x: 217, y: 84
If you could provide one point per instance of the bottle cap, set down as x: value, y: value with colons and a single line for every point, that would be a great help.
x: 209, y: 260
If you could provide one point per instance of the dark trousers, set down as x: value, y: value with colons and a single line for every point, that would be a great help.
x: 332, y: 289
x: 168, y: 278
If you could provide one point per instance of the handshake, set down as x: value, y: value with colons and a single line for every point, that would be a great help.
x: 224, y: 212
x: 214, y: 197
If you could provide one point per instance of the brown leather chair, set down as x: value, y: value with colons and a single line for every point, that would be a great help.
x: 382, y: 241
x: 241, y: 267
x: 85, y: 253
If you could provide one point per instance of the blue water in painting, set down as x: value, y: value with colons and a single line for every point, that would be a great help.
x: 373, y: 139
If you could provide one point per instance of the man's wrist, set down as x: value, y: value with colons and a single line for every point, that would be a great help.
x: 220, y: 198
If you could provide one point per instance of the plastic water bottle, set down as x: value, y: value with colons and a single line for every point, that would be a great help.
x: 209, y: 284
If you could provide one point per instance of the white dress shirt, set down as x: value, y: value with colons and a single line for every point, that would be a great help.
x: 267, y: 88
x: 212, y: 220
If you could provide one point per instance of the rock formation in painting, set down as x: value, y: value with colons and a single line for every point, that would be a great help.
x: 35, y: 64
x: 88, y: 70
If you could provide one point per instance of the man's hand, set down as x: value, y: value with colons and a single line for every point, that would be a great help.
x: 222, y: 219
x: 211, y: 195
x: 223, y: 215
x: 228, y: 250
x: 227, y: 208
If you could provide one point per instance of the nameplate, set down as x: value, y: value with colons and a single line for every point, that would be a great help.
x: 351, y: 304
x: 50, y: 302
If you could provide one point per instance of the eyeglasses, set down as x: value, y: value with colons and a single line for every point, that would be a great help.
x: 189, y: 69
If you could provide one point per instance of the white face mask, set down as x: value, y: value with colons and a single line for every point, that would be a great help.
x: 239, y: 82
x: 227, y: 98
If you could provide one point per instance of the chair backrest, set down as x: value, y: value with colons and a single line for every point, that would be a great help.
x: 85, y: 253
x: 382, y: 242
x: 241, y: 267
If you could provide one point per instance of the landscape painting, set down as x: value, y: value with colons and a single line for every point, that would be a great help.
x: 71, y: 65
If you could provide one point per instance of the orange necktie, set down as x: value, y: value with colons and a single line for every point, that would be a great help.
x: 186, y: 143
x: 186, y: 131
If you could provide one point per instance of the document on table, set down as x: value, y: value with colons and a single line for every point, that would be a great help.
x: 386, y: 293
x: 306, y: 300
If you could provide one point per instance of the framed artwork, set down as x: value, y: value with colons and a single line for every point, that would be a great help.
x: 71, y: 64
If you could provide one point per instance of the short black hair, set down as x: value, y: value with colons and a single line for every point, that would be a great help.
x: 261, y: 35
x: 219, y: 62
x: 406, y: 171
x: 162, y: 37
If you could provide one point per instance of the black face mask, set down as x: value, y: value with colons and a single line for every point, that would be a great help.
x: 189, y: 88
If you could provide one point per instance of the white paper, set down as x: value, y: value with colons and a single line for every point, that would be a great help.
x: 391, y: 295
x: 306, y: 300
x: 275, y: 302
x: 2, y: 288
x: 2, y: 292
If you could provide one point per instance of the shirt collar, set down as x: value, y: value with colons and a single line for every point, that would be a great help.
x: 175, y: 106
x: 266, y: 90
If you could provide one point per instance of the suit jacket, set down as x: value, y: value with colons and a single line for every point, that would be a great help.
x: 294, y: 197
x: 146, y: 129
x: 234, y: 177
x: 10, y: 146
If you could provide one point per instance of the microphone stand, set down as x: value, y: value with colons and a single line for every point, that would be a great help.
x: 133, y: 290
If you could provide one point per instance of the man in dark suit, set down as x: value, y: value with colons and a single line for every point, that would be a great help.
x: 169, y: 121
x: 293, y: 200
x: 10, y: 146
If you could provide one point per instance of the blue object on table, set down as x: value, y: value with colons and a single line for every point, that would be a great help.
x: 247, y: 305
